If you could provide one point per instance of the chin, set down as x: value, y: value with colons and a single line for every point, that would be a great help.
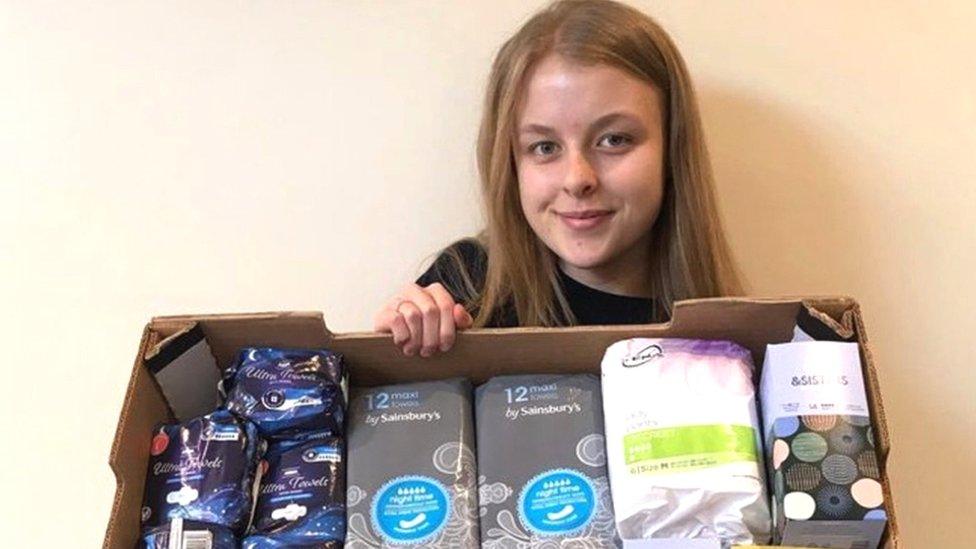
x: 582, y: 259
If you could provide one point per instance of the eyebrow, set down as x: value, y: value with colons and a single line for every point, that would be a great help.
x: 601, y: 122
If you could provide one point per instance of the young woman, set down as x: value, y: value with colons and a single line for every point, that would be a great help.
x: 596, y: 184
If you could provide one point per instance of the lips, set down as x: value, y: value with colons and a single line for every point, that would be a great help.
x: 584, y: 219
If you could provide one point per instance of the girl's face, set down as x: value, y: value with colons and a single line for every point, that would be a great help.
x: 589, y: 156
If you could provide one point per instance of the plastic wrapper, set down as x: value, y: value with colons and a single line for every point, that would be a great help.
x: 201, y: 470
x: 287, y: 393
x: 683, y: 443
x: 302, y: 498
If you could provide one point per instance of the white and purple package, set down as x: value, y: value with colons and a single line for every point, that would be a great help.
x: 287, y: 393
x: 682, y: 433
x: 301, y: 503
x: 201, y: 470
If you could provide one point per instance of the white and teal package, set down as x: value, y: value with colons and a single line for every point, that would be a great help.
x: 683, y: 442
x: 541, y: 463
x: 411, y: 475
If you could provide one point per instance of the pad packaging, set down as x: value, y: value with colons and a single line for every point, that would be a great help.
x: 820, y: 450
x: 542, y: 464
x: 201, y: 470
x: 683, y: 442
x: 412, y: 480
x: 287, y: 393
x: 301, y: 500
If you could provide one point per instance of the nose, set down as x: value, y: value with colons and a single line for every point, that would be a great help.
x: 581, y: 178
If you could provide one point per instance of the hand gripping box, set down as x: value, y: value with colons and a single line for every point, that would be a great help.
x: 180, y: 358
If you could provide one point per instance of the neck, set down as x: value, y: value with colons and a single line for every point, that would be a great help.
x: 629, y: 275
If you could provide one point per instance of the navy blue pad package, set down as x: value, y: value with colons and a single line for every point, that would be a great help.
x: 201, y: 470
x: 287, y: 393
x: 302, y: 499
x: 190, y: 534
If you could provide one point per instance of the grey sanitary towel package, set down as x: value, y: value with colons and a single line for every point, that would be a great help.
x: 412, y: 480
x: 542, y: 463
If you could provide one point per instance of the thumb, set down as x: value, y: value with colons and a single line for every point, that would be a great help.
x: 462, y: 319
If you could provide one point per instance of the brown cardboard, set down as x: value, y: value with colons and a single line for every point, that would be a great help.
x: 478, y: 354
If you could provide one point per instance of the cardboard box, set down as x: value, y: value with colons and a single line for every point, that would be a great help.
x: 478, y: 354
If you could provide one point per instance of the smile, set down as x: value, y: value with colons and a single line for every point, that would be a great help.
x: 585, y: 219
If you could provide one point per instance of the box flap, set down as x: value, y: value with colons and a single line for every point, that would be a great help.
x: 482, y: 353
x: 184, y: 367
x: 228, y: 333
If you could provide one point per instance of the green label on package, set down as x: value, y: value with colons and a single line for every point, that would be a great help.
x: 687, y: 448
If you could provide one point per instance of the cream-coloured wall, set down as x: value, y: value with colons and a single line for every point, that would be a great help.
x: 211, y: 157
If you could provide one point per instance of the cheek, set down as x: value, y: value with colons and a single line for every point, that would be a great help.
x: 534, y: 190
x: 640, y: 183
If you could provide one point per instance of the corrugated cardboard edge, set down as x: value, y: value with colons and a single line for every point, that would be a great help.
x: 149, y: 339
x: 880, y: 421
x: 676, y: 318
x: 157, y: 347
x: 176, y: 322
x: 834, y: 307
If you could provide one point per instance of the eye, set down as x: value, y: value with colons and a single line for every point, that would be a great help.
x: 615, y: 140
x: 543, y: 148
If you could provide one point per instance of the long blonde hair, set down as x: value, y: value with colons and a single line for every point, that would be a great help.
x: 691, y: 257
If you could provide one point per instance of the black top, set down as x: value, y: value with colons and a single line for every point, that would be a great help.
x: 589, y: 305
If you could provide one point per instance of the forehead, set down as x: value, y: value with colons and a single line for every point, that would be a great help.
x: 562, y: 92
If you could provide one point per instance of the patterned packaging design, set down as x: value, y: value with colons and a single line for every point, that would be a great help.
x: 542, y: 464
x: 825, y: 468
x: 201, y: 470
x: 287, y: 392
x: 302, y: 499
x: 412, y: 480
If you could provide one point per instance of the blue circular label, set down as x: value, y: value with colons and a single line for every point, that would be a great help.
x: 557, y: 502
x: 273, y: 399
x: 410, y: 509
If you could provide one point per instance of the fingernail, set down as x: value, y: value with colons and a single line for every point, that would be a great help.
x: 408, y: 352
x: 425, y: 352
x: 445, y: 348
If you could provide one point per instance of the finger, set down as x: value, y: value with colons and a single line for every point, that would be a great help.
x: 462, y: 318
x: 445, y: 305
x: 392, y: 322
x: 415, y: 325
x: 401, y: 332
x: 431, y: 318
